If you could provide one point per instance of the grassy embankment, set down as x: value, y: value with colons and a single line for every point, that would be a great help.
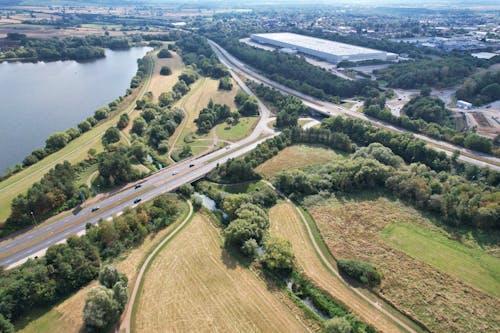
x: 74, y: 152
x: 197, y: 286
x: 66, y: 317
x: 192, y: 103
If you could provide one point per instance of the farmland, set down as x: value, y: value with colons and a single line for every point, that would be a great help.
x: 66, y: 317
x: 198, y: 286
x: 287, y: 224
x: 295, y: 157
x: 353, y: 227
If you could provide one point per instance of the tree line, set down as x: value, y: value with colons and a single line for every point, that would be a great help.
x: 67, y: 267
x: 59, y: 140
x: 290, y: 108
x: 439, y: 73
x: 480, y: 89
x: 457, y: 201
x: 413, y: 118
x: 293, y: 71
x: 67, y: 48
x: 409, y: 148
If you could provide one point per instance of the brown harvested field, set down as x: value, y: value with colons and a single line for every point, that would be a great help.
x: 286, y: 223
x: 295, y: 157
x: 195, y: 286
x: 67, y: 317
x: 352, y: 229
x: 161, y: 83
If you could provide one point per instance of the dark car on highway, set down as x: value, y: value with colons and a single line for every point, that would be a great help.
x: 191, y: 165
x: 94, y: 209
x: 137, y: 200
x: 137, y: 186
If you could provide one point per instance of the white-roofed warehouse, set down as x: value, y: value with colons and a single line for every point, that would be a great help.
x: 321, y: 48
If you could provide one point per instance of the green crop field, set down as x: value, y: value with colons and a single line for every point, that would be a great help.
x: 471, y: 265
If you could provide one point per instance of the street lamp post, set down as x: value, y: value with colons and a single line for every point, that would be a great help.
x: 33, y: 216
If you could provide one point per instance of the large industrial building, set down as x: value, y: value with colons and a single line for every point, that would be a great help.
x: 327, y: 50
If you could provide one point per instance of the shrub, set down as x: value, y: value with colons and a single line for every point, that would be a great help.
x: 165, y: 70
x: 164, y: 53
x: 363, y: 272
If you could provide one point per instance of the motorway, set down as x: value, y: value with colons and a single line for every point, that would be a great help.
x: 16, y: 250
x: 33, y: 243
x: 330, y: 109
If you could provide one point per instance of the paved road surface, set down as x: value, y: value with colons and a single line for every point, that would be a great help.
x: 331, y: 109
x: 35, y: 242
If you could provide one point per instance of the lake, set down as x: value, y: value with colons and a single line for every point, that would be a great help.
x: 38, y: 99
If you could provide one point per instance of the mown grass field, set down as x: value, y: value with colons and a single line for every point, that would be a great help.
x: 353, y: 227
x: 164, y: 83
x: 471, y: 265
x: 236, y: 132
x: 67, y: 316
x: 202, y: 91
x: 295, y: 157
x: 74, y: 152
x: 194, y: 285
x: 286, y: 223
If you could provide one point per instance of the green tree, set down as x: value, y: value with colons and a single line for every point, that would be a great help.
x: 123, y: 121
x: 139, y: 126
x: 5, y: 325
x: 56, y: 141
x: 109, y: 276
x: 250, y: 248
x: 111, y: 135
x: 278, y: 256
x: 337, y: 325
x: 166, y: 99
x: 186, y: 190
x: 101, y: 113
x: 101, y: 310
x: 225, y: 83
x: 165, y: 70
x: 164, y: 53
x: 84, y: 126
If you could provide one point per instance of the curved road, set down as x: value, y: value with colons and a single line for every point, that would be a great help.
x: 330, y: 109
x: 18, y: 249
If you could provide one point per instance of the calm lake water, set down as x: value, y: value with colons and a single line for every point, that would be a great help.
x: 39, y: 99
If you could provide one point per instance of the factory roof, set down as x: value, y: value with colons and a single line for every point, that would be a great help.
x: 318, y: 44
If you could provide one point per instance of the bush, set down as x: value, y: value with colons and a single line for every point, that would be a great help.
x: 101, y: 310
x: 5, y: 325
x: 197, y: 202
x: 164, y: 53
x: 278, y: 257
x: 337, y: 325
x: 165, y: 70
x: 363, y: 272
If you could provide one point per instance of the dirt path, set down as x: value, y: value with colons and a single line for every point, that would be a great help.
x: 313, y: 261
x: 125, y: 323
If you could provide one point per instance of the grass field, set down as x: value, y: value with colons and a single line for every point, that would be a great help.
x: 74, y: 152
x: 471, y: 265
x: 66, y: 317
x: 286, y: 223
x: 297, y: 156
x: 236, y: 132
x: 353, y: 227
x: 192, y: 103
x: 195, y: 286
